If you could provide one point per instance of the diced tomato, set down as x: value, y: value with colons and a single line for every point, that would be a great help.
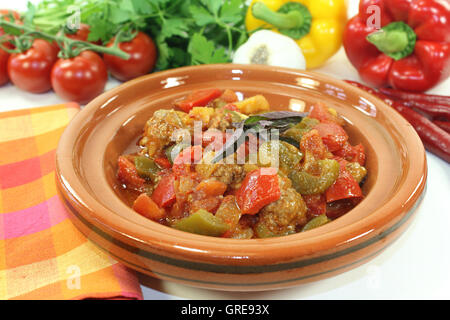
x: 332, y: 134
x: 128, y: 175
x: 320, y: 112
x: 345, y: 186
x: 198, y: 99
x: 186, y: 158
x: 259, y: 188
x: 352, y: 153
x: 163, y: 162
x: 145, y: 206
x: 164, y: 193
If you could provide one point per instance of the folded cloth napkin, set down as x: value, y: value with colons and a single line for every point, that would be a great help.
x: 42, y: 254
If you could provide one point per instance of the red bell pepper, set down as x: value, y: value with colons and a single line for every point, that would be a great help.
x: 163, y: 162
x: 128, y: 175
x: 259, y: 188
x: 186, y: 158
x: 198, y: 98
x: 345, y: 186
x: 410, y: 52
x: 332, y: 134
x: 164, y: 193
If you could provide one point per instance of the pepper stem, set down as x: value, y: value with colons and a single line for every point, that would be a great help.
x: 292, y: 19
x: 289, y: 20
x: 397, y: 40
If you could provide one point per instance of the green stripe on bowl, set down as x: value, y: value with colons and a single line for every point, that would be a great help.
x: 227, y: 269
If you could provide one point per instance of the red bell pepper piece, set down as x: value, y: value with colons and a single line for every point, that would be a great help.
x: 198, y: 99
x: 259, y: 188
x: 412, y: 50
x: 332, y: 134
x: 164, y: 193
x: 352, y: 153
x: 163, y: 162
x: 316, y: 204
x: 187, y: 157
x: 128, y: 175
x: 344, y: 187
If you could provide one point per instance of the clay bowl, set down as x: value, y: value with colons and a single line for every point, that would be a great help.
x: 110, y: 125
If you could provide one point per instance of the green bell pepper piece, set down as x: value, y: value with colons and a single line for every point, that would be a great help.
x: 316, y: 222
x: 204, y: 223
x: 304, y: 126
x: 146, y: 167
x: 306, y: 183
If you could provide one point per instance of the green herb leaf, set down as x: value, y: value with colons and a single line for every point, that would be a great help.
x: 174, y: 27
x: 201, y: 16
x: 232, y: 11
x: 204, y: 51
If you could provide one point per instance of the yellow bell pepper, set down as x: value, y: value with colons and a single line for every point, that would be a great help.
x: 316, y: 25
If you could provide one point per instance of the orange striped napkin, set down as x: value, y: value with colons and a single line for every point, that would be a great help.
x: 42, y: 255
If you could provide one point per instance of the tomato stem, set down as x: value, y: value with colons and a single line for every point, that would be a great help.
x: 69, y: 47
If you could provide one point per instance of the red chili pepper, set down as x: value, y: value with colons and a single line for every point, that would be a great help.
x: 435, y: 139
x: 372, y: 91
x: 259, y: 188
x: 445, y: 125
x: 128, y: 175
x: 344, y: 187
x: 431, y: 109
x: 419, y: 97
x: 164, y: 193
x: 411, y: 51
x: 198, y: 99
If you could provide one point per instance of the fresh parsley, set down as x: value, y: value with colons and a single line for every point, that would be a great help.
x: 186, y: 32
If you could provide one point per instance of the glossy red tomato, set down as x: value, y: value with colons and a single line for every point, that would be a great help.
x: 79, y: 79
x: 30, y: 70
x: 142, y: 59
x: 82, y: 34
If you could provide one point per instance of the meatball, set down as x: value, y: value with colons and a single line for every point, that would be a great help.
x: 159, y: 130
x: 229, y: 173
x: 283, y: 216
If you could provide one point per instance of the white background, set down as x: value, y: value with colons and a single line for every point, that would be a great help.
x: 416, y: 266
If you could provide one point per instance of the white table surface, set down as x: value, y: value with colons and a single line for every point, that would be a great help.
x: 415, y: 266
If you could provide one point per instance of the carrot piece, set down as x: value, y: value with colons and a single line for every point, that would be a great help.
x: 212, y: 187
x: 145, y: 206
